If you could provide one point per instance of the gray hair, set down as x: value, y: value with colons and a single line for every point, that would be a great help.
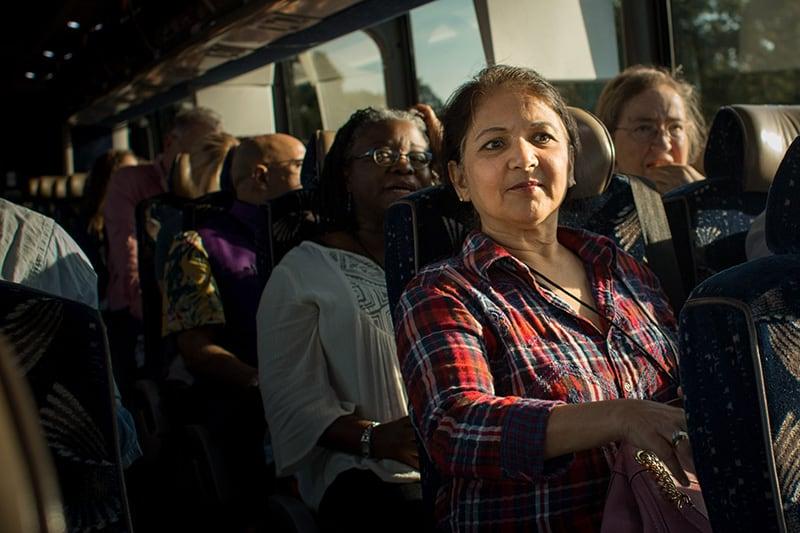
x: 197, y: 116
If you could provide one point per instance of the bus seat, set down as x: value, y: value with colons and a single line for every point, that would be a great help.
x: 601, y: 201
x: 76, y: 185
x: 60, y: 188
x: 33, y: 186
x: 30, y: 501
x: 62, y: 349
x: 323, y: 140
x: 46, y: 187
x: 225, y: 177
x: 740, y: 372
x: 316, y: 149
x: 289, y: 219
x: 745, y: 146
x: 156, y: 217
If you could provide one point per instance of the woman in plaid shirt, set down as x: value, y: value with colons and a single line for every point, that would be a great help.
x: 531, y: 352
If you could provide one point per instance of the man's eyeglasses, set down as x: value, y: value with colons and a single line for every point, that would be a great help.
x: 386, y: 157
x: 647, y: 133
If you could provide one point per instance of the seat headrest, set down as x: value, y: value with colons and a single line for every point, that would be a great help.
x: 77, y: 183
x: 323, y: 139
x: 746, y: 143
x: 60, y: 187
x: 783, y: 205
x: 46, y: 186
x: 33, y: 186
x: 594, y: 165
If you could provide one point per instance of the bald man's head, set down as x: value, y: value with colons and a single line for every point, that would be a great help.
x: 272, y: 161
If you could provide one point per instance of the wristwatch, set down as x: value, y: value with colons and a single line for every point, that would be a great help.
x: 366, y: 440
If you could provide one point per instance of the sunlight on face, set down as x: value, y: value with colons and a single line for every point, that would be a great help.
x: 661, y: 112
x: 516, y: 162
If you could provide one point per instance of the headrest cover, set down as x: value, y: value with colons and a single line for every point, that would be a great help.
x: 783, y: 205
x: 747, y: 142
x: 594, y: 164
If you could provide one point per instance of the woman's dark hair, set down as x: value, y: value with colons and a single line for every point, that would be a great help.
x: 460, y: 108
x: 335, y: 209
x: 637, y: 79
x: 94, y: 196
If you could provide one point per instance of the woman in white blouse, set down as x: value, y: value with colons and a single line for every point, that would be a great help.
x: 333, y: 394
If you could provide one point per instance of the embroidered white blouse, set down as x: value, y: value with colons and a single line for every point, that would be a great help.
x: 326, y: 349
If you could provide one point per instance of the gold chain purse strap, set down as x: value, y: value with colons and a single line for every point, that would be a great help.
x: 665, y: 482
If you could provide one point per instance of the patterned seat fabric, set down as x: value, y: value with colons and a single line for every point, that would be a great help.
x: 289, y: 219
x: 783, y: 215
x: 611, y: 213
x: 740, y: 371
x: 62, y: 349
x: 745, y: 146
x: 423, y: 227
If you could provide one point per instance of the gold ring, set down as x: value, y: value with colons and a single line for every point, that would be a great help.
x: 677, y: 436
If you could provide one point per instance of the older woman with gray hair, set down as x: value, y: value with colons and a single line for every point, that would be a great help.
x: 655, y: 120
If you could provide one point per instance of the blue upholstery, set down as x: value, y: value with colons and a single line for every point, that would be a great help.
x: 714, y: 216
x: 421, y: 228
x: 611, y: 213
x: 740, y: 371
x: 783, y: 212
x: 745, y: 145
x: 62, y: 349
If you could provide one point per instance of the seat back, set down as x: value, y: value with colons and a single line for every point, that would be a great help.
x: 289, y: 219
x: 62, y: 349
x: 159, y: 217
x: 30, y: 501
x: 740, y: 372
x: 745, y: 146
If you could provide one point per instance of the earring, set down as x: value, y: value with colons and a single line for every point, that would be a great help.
x: 348, y: 206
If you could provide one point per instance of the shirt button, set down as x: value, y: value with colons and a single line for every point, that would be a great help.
x: 628, y: 386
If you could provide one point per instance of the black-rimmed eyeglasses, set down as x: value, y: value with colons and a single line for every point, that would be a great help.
x: 386, y: 157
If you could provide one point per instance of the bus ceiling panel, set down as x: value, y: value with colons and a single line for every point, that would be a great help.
x: 279, y: 30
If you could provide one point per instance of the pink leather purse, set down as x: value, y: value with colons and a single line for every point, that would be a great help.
x: 643, y: 497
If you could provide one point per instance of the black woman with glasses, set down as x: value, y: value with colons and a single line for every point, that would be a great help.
x: 655, y: 120
x: 333, y: 393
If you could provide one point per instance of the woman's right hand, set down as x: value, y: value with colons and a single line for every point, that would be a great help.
x: 650, y: 426
x: 395, y: 440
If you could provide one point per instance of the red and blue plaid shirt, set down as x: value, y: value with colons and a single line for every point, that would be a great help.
x: 487, y: 352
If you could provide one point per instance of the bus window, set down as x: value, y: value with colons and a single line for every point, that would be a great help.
x: 447, y: 48
x: 346, y: 74
x: 300, y: 100
x: 742, y: 52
